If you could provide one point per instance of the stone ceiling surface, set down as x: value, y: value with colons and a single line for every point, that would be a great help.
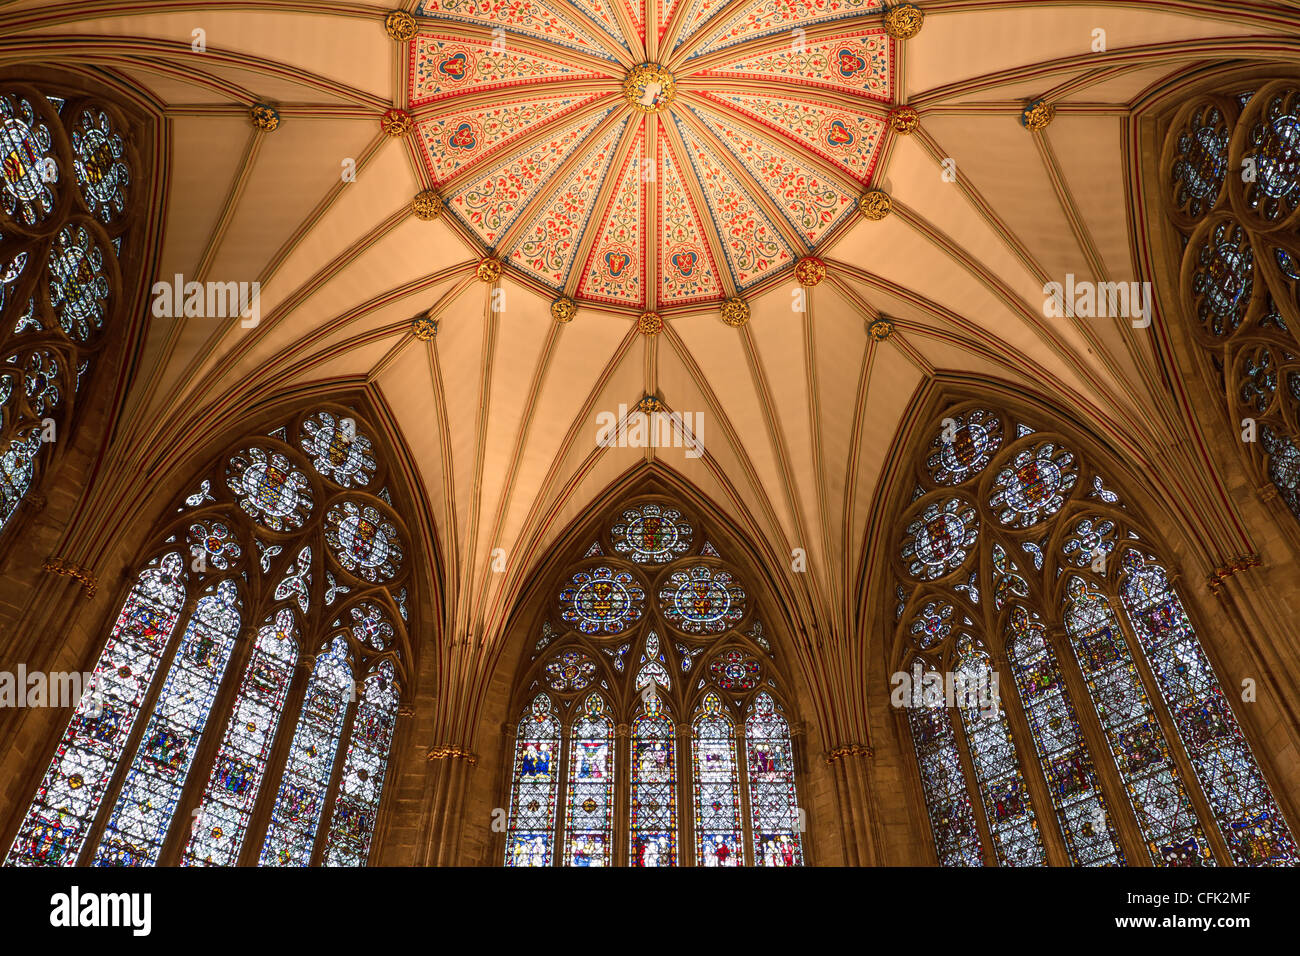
x: 497, y: 411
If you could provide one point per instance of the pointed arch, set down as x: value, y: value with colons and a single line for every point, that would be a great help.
x: 246, y: 703
x: 650, y: 638
x: 1015, y: 553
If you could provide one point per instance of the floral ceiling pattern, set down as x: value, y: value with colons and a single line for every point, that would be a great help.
x: 651, y: 168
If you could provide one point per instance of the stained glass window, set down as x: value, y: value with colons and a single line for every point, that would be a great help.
x: 144, y: 808
x: 319, y: 685
x: 702, y: 600
x: 1033, y: 485
x: 1007, y: 807
x: 603, y: 659
x: 240, y: 767
x: 589, y: 817
x: 962, y: 448
x: 602, y: 600
x: 364, y: 766
x: 1242, y: 286
x: 364, y: 541
x: 1048, y: 533
x: 773, y: 803
x: 298, y: 805
x: 653, y: 823
x: 536, y: 780
x: 1243, y: 804
x: 338, y: 451
x: 1081, y: 809
x: 939, y: 538
x: 735, y: 670
x: 69, y: 797
x: 651, y: 534
x: 956, y: 837
x: 718, y: 837
x: 1160, y: 801
x: 66, y: 180
x: 571, y: 670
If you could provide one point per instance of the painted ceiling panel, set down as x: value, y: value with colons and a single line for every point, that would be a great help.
x: 767, y: 197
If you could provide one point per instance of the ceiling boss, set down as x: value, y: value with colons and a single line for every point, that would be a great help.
x: 650, y: 87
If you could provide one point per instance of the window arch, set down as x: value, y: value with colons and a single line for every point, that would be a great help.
x: 244, y: 705
x: 1015, y: 557
x: 67, y: 204
x: 1230, y: 187
x: 653, y: 677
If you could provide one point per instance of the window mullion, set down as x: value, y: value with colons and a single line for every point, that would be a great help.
x: 1191, y: 781
x: 259, y: 820
x: 336, y: 772
x: 1136, y: 851
x: 684, y: 754
x: 1031, y: 770
x: 142, y: 717
x: 973, y: 792
x: 214, y: 728
x: 621, y: 843
x: 558, y: 833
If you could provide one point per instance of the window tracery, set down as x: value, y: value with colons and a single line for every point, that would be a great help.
x: 654, y: 683
x: 1126, y: 717
x: 259, y: 623
x: 1231, y: 190
x: 66, y: 207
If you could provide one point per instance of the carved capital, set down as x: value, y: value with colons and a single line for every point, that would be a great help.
x: 448, y: 752
x: 1228, y: 569
x: 89, y: 583
x: 849, y: 750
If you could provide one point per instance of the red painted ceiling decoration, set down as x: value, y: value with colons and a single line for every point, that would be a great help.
x: 651, y: 168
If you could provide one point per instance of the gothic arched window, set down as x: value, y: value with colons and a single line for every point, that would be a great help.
x: 654, y: 682
x: 1016, y: 558
x: 1231, y: 188
x: 66, y: 205
x: 244, y: 705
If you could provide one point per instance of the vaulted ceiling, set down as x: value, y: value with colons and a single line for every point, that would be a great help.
x: 499, y: 410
